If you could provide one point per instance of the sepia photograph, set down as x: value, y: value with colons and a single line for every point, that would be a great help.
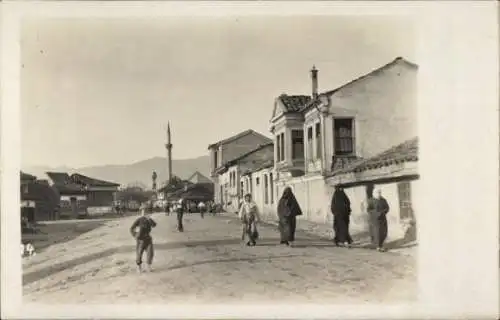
x: 221, y: 159
x: 205, y: 156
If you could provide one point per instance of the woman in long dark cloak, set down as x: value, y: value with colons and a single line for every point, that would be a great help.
x: 288, y: 210
x: 341, y: 210
x: 377, y: 209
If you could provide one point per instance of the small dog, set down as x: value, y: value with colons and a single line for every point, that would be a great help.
x: 27, y: 250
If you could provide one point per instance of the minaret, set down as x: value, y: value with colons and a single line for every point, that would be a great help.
x: 314, y: 78
x: 168, y: 145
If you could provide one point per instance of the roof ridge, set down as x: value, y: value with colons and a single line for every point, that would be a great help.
x: 236, y: 136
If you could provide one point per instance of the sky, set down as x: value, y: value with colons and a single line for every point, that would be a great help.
x: 99, y: 92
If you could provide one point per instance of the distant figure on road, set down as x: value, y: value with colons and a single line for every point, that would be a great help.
x: 288, y: 210
x: 378, y: 207
x: 180, y: 208
x: 144, y: 241
x: 249, y: 215
x: 201, y: 208
x: 341, y: 210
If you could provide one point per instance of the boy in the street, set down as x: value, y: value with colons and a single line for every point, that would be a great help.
x: 144, y: 241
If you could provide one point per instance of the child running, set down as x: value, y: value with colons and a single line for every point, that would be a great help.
x: 144, y: 241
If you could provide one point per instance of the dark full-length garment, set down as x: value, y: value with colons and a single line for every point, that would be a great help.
x: 341, y: 210
x: 144, y: 241
x: 180, y: 214
x: 377, y: 211
x: 288, y: 210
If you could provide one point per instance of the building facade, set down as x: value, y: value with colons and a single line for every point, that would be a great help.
x: 72, y: 197
x: 318, y: 137
x: 233, y: 189
x: 226, y: 186
x: 100, y: 194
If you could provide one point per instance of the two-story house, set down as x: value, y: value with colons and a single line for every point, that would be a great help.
x: 226, y: 182
x: 317, y: 135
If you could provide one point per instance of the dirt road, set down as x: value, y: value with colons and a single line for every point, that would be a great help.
x: 208, y: 263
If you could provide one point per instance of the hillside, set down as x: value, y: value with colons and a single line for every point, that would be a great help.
x: 139, y: 172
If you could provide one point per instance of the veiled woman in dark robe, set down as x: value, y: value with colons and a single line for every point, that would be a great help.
x: 341, y: 210
x: 288, y: 210
x: 378, y: 207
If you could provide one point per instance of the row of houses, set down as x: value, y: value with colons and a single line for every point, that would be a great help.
x: 360, y: 135
x: 65, y: 196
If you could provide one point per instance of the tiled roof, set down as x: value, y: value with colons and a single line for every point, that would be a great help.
x: 237, y: 136
x: 404, y: 152
x: 294, y: 103
x: 81, y: 179
x: 260, y: 166
x: 27, y: 176
x: 197, y: 177
x: 390, y: 64
x: 63, y: 183
x: 59, y: 177
x: 243, y: 156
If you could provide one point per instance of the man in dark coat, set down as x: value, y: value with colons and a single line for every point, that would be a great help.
x: 341, y: 210
x: 181, y: 208
x: 144, y: 241
x: 288, y: 210
x: 378, y: 208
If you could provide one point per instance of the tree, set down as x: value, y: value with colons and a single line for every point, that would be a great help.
x: 133, y: 193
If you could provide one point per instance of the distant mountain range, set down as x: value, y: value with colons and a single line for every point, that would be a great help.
x: 138, y: 173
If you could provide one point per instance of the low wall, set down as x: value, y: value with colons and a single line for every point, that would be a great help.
x: 314, y: 195
x: 99, y: 211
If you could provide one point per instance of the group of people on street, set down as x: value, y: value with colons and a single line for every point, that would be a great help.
x: 288, y: 210
x: 377, y: 208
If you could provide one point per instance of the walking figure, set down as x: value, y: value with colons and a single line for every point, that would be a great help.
x: 288, y: 210
x: 249, y: 216
x: 201, y: 208
x: 180, y: 213
x: 378, y: 207
x: 144, y: 241
x: 341, y: 210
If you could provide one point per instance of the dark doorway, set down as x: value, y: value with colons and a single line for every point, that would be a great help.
x: 74, y: 207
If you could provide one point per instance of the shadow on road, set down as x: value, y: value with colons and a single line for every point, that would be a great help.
x: 58, y: 267
x: 187, y: 265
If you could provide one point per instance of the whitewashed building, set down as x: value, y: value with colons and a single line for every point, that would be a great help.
x: 318, y: 137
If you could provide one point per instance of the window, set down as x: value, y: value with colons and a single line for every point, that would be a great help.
x: 318, y: 140
x: 309, y: 143
x: 257, y: 181
x: 282, y: 147
x: 250, y: 184
x: 241, y: 189
x: 271, y: 188
x: 215, y: 159
x: 297, y: 144
x: 266, y: 190
x: 278, y: 148
x: 344, y: 136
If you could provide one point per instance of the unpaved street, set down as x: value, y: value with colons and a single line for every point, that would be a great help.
x: 209, y: 263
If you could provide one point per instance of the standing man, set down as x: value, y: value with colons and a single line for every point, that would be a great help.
x: 201, y: 208
x: 378, y: 208
x: 341, y: 210
x: 144, y: 241
x: 180, y: 213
